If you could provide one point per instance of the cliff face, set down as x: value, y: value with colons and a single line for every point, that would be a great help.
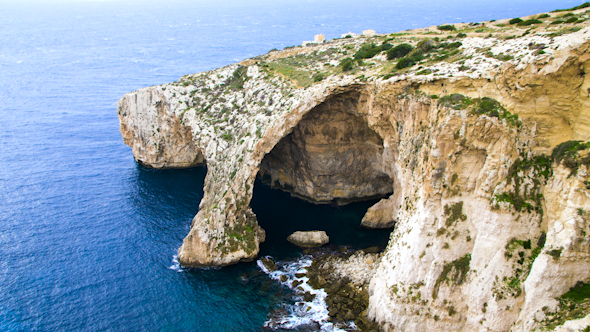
x: 490, y: 230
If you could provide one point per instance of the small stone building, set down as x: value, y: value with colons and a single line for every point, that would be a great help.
x: 317, y: 39
x: 369, y: 33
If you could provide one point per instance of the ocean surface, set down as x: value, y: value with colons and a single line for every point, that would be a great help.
x: 87, y: 237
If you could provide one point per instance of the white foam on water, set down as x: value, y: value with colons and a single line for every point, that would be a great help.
x: 301, y: 314
x: 175, y: 264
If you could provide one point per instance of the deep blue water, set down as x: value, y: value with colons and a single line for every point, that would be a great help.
x: 87, y: 237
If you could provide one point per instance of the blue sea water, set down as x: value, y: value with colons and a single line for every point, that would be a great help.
x: 88, y: 237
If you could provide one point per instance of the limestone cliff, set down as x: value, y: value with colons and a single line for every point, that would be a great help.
x: 456, y: 136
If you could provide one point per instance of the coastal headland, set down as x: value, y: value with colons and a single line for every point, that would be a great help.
x: 474, y: 136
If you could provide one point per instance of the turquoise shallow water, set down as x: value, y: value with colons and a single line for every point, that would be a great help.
x: 87, y: 237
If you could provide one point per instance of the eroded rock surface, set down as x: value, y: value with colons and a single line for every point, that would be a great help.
x: 331, y: 155
x: 490, y: 229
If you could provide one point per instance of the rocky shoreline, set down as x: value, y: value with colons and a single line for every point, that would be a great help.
x: 475, y: 137
x: 343, y: 275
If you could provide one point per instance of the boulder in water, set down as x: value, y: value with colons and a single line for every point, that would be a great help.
x: 269, y: 264
x: 309, y: 239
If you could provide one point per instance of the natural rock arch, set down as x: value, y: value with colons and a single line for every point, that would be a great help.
x: 330, y: 156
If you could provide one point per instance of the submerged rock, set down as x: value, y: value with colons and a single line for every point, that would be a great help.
x: 309, y: 239
x: 268, y: 263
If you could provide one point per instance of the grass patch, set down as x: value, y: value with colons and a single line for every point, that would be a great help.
x: 301, y: 76
x: 564, y: 31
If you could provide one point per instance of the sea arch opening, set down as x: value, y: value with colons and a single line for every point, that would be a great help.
x: 333, y: 160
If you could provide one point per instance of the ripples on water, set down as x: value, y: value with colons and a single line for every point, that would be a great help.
x: 87, y: 237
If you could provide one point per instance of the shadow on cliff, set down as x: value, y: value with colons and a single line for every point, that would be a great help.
x: 280, y: 214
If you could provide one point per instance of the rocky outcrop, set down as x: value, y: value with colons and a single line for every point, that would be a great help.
x: 490, y: 230
x: 345, y: 277
x: 380, y: 215
x: 309, y: 239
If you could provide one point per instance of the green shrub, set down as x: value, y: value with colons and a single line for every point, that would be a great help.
x: 448, y: 27
x: 571, y: 20
x: 574, y: 304
x: 488, y: 106
x: 455, y: 101
x: 568, y: 154
x: 503, y: 57
x: 529, y: 22
x: 236, y: 81
x: 541, y: 240
x: 452, y: 45
x: 386, y: 46
x: 515, y: 20
x: 578, y: 293
x: 426, y: 45
x: 399, y: 51
x: 452, y: 310
x: 227, y: 136
x: 555, y: 253
x: 584, y: 5
x: 416, y: 54
x: 411, y: 59
x: 346, y: 64
x: 557, y: 22
x: 544, y: 16
x: 318, y: 77
x: 405, y: 63
x: 454, y: 213
x: 567, y: 149
x: 424, y: 72
x: 367, y: 51
x: 462, y: 35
